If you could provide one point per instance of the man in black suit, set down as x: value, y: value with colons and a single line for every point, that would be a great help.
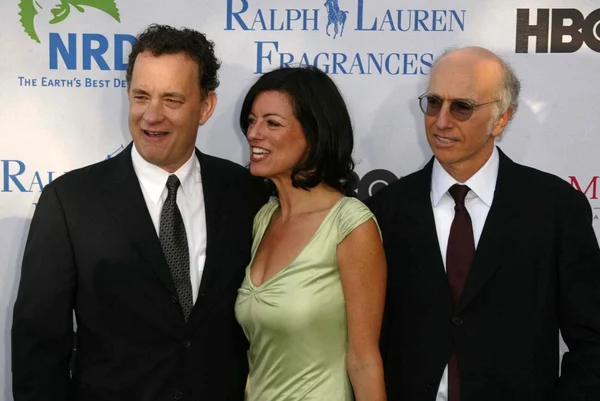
x: 487, y: 259
x: 147, y: 249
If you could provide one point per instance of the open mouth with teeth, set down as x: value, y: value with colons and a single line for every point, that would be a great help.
x: 445, y: 140
x: 154, y: 134
x: 257, y: 154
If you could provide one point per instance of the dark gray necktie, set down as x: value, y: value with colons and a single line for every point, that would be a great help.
x: 175, y: 247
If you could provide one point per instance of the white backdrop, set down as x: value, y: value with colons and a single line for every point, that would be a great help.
x: 63, y: 104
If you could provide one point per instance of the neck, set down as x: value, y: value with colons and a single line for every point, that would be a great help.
x: 462, y: 170
x: 459, y: 174
x: 296, y: 201
x: 171, y: 168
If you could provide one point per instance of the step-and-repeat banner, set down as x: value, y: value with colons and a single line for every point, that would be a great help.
x: 63, y: 97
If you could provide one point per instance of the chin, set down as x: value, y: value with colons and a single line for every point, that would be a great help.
x: 155, y: 156
x: 157, y: 161
x: 447, y: 161
x: 258, y: 172
x: 446, y: 155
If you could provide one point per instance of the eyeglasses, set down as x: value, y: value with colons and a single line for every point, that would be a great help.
x: 462, y: 110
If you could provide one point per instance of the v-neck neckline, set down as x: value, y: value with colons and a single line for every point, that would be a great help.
x: 264, y: 231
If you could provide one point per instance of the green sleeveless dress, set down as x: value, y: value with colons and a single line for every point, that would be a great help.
x: 296, y: 320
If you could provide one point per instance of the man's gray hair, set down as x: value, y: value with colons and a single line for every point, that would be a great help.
x: 509, y: 90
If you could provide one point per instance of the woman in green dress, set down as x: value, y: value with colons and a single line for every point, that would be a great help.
x: 311, y: 302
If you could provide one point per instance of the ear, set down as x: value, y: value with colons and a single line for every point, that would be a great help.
x: 208, y: 106
x: 500, y: 123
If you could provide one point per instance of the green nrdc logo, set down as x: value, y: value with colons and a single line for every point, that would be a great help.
x: 60, y: 12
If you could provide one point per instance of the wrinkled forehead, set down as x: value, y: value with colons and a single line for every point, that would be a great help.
x: 464, y: 78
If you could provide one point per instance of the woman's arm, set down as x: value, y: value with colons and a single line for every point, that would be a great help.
x: 363, y: 273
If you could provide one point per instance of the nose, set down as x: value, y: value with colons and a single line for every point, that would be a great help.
x: 254, y: 132
x: 444, y: 119
x: 154, y: 112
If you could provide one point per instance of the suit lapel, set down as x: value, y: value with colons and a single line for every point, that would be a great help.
x: 215, y: 187
x: 496, y: 239
x: 123, y: 198
x: 426, y: 251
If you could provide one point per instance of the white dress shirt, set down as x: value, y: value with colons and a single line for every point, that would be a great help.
x: 190, y: 200
x: 478, y: 202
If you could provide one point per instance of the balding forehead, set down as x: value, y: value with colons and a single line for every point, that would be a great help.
x: 476, y: 57
x: 471, y: 53
x: 466, y: 74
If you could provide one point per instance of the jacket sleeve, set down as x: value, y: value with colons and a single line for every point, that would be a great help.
x: 42, y: 330
x: 579, y: 303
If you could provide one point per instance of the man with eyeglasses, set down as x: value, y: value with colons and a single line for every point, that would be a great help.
x: 487, y: 259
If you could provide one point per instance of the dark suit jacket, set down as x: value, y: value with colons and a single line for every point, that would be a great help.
x: 92, y: 249
x: 536, y: 269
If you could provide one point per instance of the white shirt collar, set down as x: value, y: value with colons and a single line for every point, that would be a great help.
x: 482, y: 183
x: 154, y: 179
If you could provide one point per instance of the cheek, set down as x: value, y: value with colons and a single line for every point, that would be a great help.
x: 429, y: 124
x: 136, y: 112
x: 302, y: 148
x: 296, y: 155
x: 300, y: 145
x: 479, y: 132
x: 182, y: 118
x: 287, y: 157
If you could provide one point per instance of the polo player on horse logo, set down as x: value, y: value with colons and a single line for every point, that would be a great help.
x: 335, y: 16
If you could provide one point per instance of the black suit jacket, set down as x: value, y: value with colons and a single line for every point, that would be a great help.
x: 92, y: 249
x: 536, y: 269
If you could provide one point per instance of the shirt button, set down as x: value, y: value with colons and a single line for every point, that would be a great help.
x: 457, y: 321
x: 178, y: 395
x: 187, y: 343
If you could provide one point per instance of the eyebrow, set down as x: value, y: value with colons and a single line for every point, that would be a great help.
x: 174, y: 94
x: 274, y: 114
x: 461, y: 99
x: 270, y: 115
x: 137, y: 91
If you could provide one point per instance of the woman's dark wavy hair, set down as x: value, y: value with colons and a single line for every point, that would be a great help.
x: 320, y: 109
x: 164, y: 39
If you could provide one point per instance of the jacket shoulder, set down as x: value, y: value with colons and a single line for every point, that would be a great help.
x: 542, y: 182
x: 226, y: 166
x: 240, y: 177
x: 83, y: 177
x: 399, y: 190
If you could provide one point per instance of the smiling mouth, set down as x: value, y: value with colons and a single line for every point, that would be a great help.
x: 258, y: 153
x: 445, y: 140
x: 154, y: 134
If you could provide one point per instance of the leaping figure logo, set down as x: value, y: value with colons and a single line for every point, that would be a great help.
x: 335, y: 17
x: 30, y: 8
